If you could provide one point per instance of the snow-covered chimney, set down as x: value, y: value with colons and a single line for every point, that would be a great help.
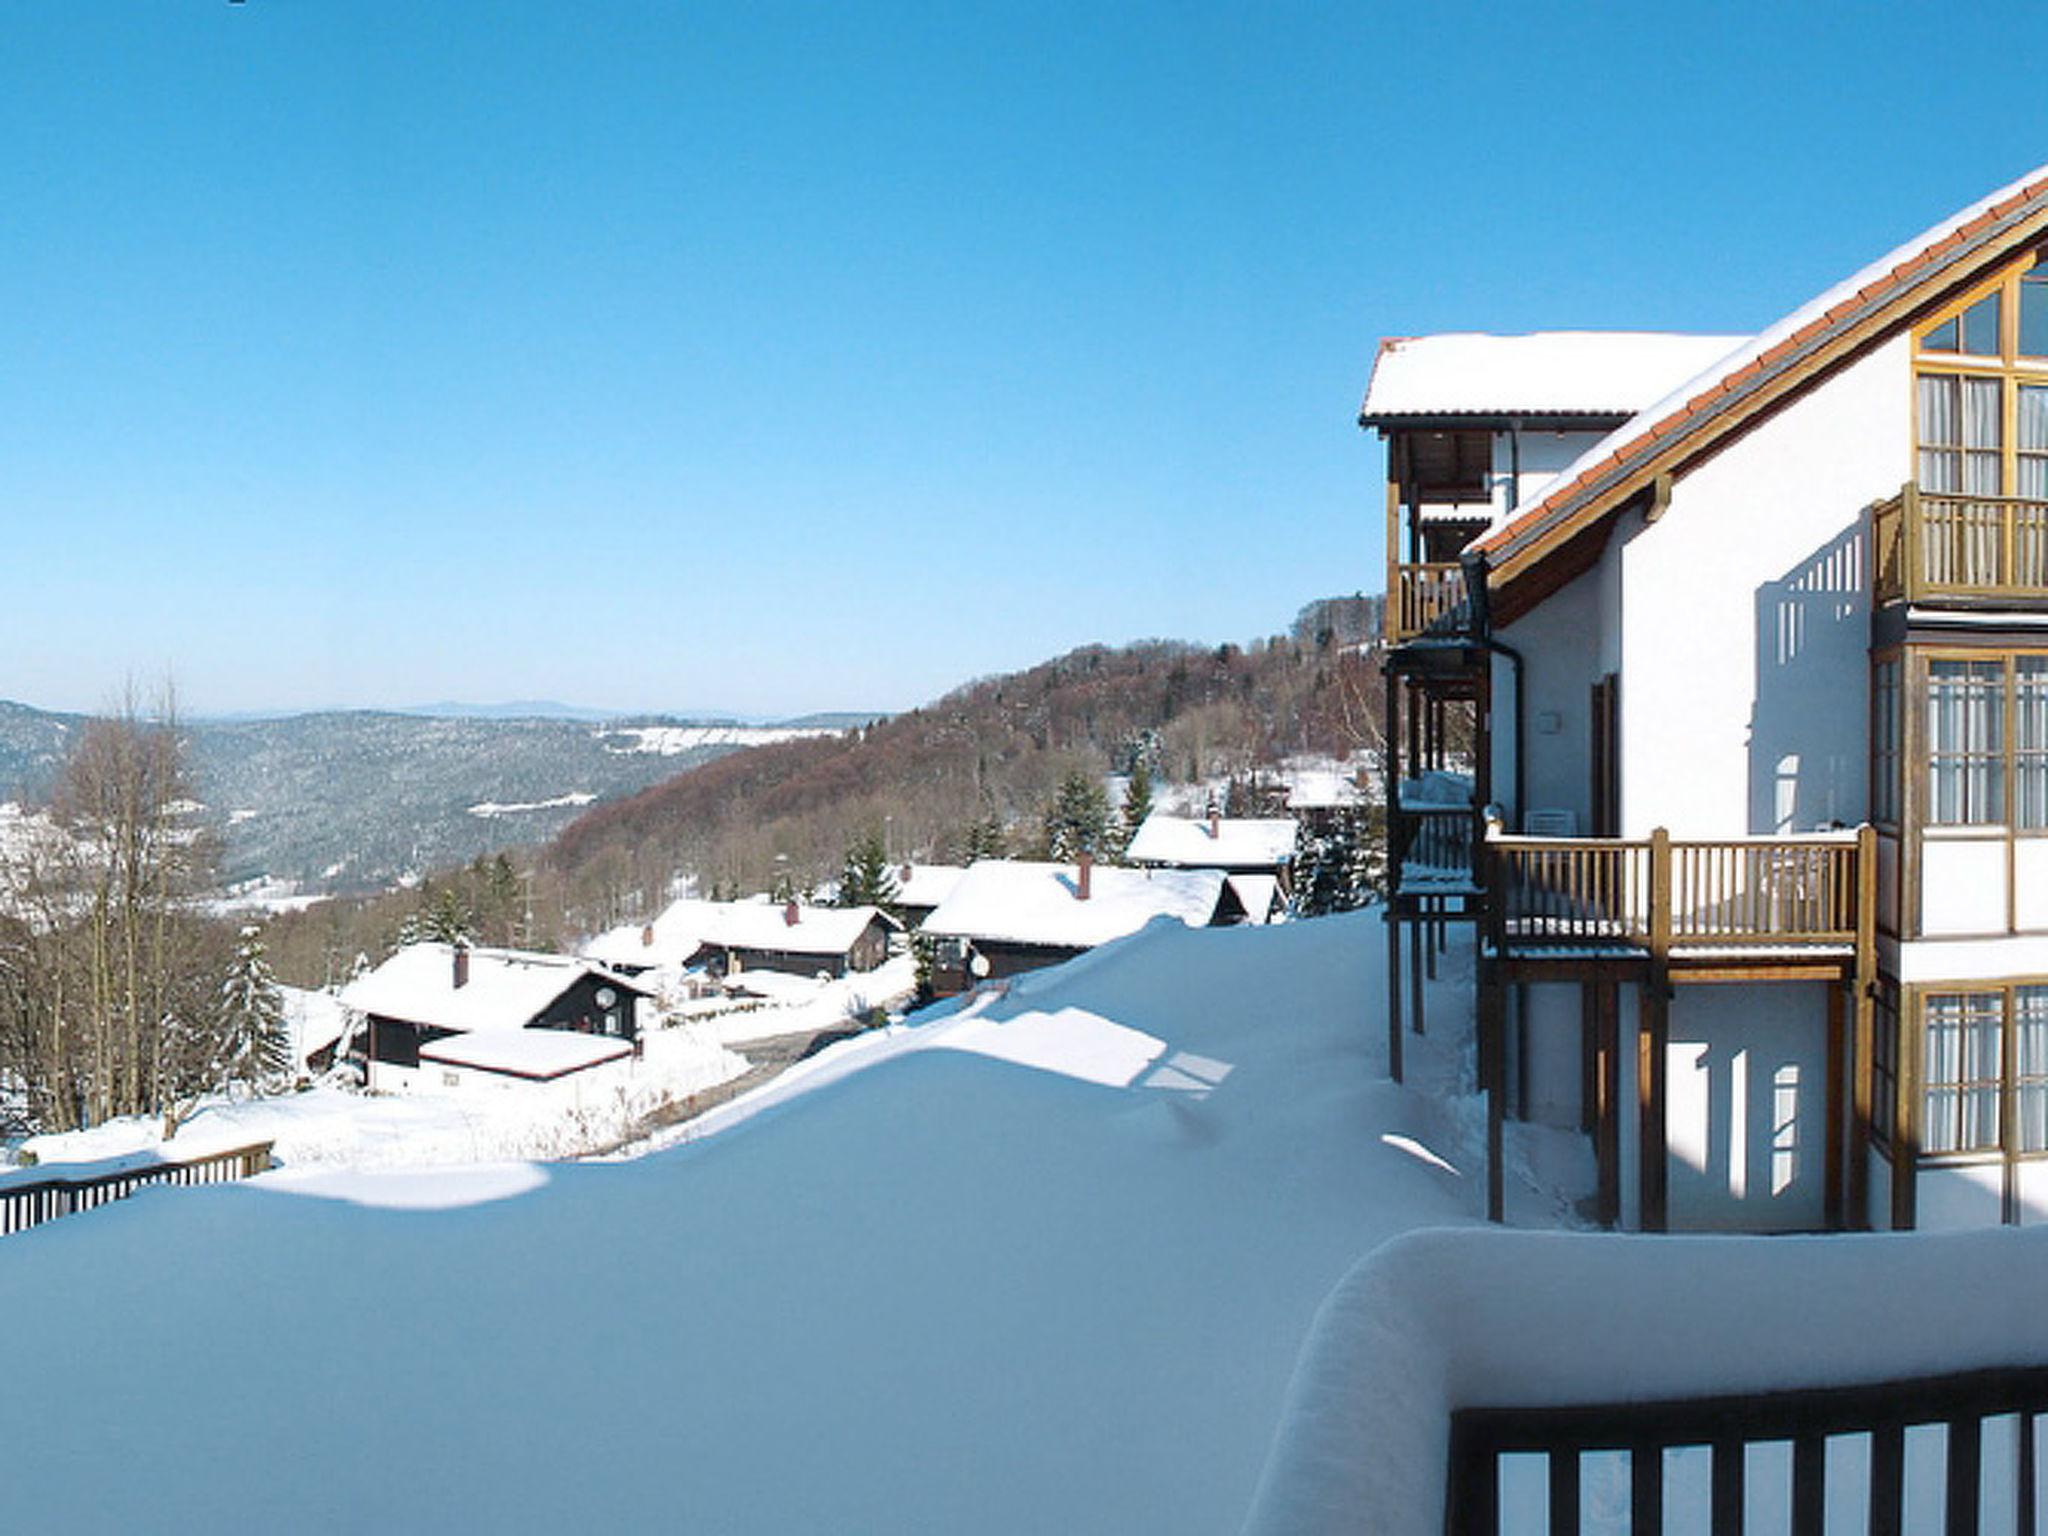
x: 1215, y: 823
x: 461, y: 965
x: 789, y: 913
x: 1083, y: 870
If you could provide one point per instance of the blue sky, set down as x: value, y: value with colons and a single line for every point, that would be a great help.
x: 772, y: 357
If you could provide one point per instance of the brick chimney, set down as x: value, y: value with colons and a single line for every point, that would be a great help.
x: 789, y: 913
x: 647, y: 936
x: 461, y: 965
x: 1083, y: 869
x: 1215, y: 823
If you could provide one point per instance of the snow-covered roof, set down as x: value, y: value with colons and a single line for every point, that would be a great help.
x: 1545, y: 373
x: 1256, y: 894
x: 506, y: 987
x: 316, y: 1020
x: 687, y: 926
x: 1324, y: 789
x: 1615, y: 463
x: 1032, y: 903
x: 926, y: 885
x: 535, y: 1053
x: 1238, y: 842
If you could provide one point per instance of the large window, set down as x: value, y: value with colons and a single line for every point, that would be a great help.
x: 1965, y: 743
x: 1983, y: 393
x: 1983, y: 1072
x: 1960, y: 1071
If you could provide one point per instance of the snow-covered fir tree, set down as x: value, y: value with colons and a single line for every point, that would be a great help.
x: 865, y: 878
x: 1137, y: 802
x: 255, y: 1045
x: 1078, y: 820
x: 1341, y: 866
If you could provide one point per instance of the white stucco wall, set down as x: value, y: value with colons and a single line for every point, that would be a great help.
x: 1552, y: 1020
x: 1560, y: 643
x: 1962, y: 885
x: 1746, y: 1108
x: 1949, y: 1197
x: 1745, y: 618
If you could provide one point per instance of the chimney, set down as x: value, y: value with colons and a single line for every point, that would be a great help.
x: 461, y: 965
x: 1083, y: 870
x: 1215, y: 823
x: 904, y: 874
x: 647, y: 936
x: 789, y: 912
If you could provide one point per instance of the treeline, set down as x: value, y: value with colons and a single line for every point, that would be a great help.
x: 976, y: 772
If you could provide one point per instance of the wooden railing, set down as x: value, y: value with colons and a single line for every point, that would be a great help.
x: 1436, y: 840
x: 1988, y: 1448
x: 1424, y: 597
x: 1934, y: 546
x: 1660, y: 894
x: 32, y: 1203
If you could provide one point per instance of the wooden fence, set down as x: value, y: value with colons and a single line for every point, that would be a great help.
x: 30, y: 1204
x: 1847, y: 1447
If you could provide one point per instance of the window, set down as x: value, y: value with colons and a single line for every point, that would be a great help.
x: 1982, y: 398
x: 1884, y: 743
x: 1966, y: 743
x: 1963, y: 1053
x: 2030, y: 1068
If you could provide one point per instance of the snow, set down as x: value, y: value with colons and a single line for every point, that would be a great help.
x: 491, y: 808
x: 316, y: 1020
x: 1443, y: 1320
x: 674, y: 740
x: 506, y: 987
x: 1255, y: 893
x: 1031, y: 903
x: 1040, y: 1261
x: 689, y: 924
x: 1188, y: 843
x: 1562, y: 372
x: 926, y: 885
x: 535, y: 1053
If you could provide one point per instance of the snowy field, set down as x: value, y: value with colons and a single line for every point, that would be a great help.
x: 1041, y: 1264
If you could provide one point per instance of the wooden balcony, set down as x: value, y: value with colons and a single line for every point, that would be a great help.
x: 1947, y: 549
x: 1424, y: 599
x: 1658, y: 897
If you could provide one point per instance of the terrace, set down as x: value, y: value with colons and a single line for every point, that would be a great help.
x: 1951, y: 549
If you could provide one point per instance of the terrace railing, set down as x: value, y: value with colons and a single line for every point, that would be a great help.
x: 1424, y: 598
x: 1943, y: 546
x: 1978, y: 1473
x: 33, y: 1202
x: 1662, y: 895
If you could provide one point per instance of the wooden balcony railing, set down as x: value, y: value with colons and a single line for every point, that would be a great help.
x: 1659, y: 894
x: 1979, y: 1475
x: 1941, y: 546
x: 30, y: 1203
x: 1435, y: 844
x: 1424, y: 598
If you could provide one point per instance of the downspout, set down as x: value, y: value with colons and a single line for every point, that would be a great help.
x: 1473, y: 564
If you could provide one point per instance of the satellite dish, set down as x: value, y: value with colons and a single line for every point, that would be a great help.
x: 979, y: 965
x: 606, y: 997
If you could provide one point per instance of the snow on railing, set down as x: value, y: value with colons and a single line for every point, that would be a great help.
x: 1830, y: 1351
x: 69, y: 1189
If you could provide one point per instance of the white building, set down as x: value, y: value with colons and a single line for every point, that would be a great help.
x: 1802, y: 591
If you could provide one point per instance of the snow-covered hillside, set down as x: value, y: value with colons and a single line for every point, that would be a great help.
x: 1043, y: 1264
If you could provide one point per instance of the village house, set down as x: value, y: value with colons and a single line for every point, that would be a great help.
x: 1006, y: 916
x: 1255, y: 853
x: 434, y: 1010
x: 921, y: 887
x: 728, y: 938
x: 1718, y: 704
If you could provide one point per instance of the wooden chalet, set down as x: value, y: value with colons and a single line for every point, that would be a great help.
x: 731, y: 937
x: 1728, y: 733
x: 1007, y: 916
x: 428, y: 994
x: 1237, y: 845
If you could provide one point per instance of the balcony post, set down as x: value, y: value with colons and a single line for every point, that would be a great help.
x: 1653, y: 1032
x: 1910, y: 554
x: 1863, y: 984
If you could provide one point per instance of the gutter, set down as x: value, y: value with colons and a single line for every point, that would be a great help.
x: 1473, y: 565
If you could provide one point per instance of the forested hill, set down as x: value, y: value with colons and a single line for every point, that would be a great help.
x: 996, y: 748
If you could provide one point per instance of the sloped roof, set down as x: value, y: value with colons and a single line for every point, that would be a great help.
x: 1870, y: 303
x: 506, y: 987
x: 1031, y: 903
x: 1256, y: 894
x: 1544, y: 373
x: 926, y: 885
x: 1239, y: 842
x: 688, y: 925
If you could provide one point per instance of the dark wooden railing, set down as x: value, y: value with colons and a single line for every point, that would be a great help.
x: 1968, y: 1406
x: 1661, y: 894
x: 1931, y: 546
x: 32, y: 1203
x: 1437, y: 839
x: 1423, y: 597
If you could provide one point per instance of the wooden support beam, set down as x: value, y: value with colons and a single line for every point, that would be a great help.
x: 1416, y: 925
x: 1653, y: 1036
x: 1493, y: 1060
x: 1607, y: 1127
x: 1833, y: 1187
x: 1393, y: 992
x: 1905, y: 1118
x: 1863, y: 1002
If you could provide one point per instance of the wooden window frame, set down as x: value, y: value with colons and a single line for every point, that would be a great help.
x: 1912, y: 1058
x: 2009, y: 366
x: 1887, y: 749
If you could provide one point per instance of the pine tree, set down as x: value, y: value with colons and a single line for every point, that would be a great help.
x: 865, y: 878
x: 445, y: 919
x: 985, y: 838
x: 1137, y: 803
x: 255, y: 1045
x: 1077, y: 821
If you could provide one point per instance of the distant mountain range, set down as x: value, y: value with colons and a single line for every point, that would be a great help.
x: 359, y: 800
